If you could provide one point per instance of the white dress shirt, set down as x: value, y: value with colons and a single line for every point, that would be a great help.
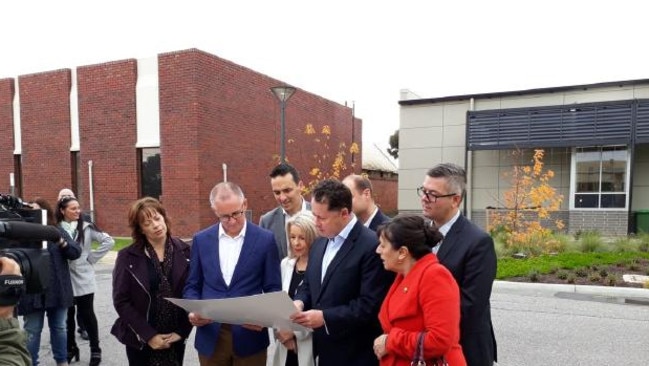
x: 334, y: 245
x: 444, y: 229
x: 229, y: 251
x: 369, y: 220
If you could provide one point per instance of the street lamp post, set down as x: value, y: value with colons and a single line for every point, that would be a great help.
x: 283, y: 94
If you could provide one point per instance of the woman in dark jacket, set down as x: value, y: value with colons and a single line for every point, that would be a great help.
x: 55, y: 300
x: 155, y: 266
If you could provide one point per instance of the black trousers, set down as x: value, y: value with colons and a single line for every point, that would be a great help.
x: 84, y: 305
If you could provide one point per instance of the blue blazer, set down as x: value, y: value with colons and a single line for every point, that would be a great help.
x: 257, y: 271
x: 349, y: 296
x: 468, y: 252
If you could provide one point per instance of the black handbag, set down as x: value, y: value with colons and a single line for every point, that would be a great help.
x: 418, y: 357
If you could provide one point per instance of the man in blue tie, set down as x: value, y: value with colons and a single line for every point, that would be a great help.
x: 344, y: 283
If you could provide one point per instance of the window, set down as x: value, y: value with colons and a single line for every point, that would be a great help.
x: 17, y: 188
x: 150, y: 173
x: 600, y: 177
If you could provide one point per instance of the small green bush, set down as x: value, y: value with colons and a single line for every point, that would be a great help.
x: 625, y: 244
x: 594, y: 277
x: 611, y: 280
x: 534, y: 275
x: 571, y: 278
x: 562, y: 275
x: 581, y: 272
x: 603, y: 272
x: 590, y: 242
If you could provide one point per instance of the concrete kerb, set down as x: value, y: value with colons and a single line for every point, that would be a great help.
x: 551, y: 289
x: 527, y: 288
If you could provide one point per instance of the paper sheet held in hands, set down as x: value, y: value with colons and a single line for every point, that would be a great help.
x: 271, y: 310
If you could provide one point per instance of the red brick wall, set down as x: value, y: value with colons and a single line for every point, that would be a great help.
x: 179, y: 133
x: 213, y: 111
x: 107, y: 133
x: 45, y: 129
x: 7, y: 136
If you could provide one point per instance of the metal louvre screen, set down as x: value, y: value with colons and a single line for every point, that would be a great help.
x: 642, y: 122
x: 558, y: 126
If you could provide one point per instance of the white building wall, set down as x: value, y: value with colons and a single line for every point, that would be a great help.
x: 148, y: 103
x: 420, y: 146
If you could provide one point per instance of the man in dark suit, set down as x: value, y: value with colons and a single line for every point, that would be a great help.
x: 468, y: 252
x: 363, y: 203
x: 344, y: 283
x: 287, y: 189
x: 231, y: 259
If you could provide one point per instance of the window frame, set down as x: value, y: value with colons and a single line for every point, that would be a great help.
x: 140, y: 171
x: 573, y: 180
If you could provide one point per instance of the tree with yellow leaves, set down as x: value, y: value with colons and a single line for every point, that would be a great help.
x: 327, y: 162
x: 526, y: 204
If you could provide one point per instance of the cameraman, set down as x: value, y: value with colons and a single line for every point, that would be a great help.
x: 13, y: 341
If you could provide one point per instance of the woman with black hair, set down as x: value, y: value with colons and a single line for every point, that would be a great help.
x: 82, y: 273
x: 421, y: 312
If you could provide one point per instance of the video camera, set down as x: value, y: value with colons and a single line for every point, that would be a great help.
x: 23, y: 235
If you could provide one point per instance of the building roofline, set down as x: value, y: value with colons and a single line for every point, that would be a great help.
x: 523, y: 92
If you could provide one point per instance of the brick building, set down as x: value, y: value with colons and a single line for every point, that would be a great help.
x: 171, y: 126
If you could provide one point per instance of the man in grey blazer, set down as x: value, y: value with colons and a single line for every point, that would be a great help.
x: 287, y: 189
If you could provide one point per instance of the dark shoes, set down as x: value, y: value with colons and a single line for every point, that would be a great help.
x: 95, y: 357
x: 73, y: 353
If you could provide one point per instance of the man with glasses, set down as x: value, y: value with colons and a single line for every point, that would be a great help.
x: 344, y: 282
x: 232, y: 258
x: 287, y: 190
x: 468, y: 252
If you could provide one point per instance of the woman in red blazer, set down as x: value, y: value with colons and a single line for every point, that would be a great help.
x: 423, y: 298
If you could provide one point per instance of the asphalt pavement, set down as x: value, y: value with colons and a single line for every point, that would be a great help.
x: 535, y: 324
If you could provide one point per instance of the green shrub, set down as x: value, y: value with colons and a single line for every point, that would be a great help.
x: 625, y: 244
x: 571, y: 278
x: 590, y: 242
x: 581, y: 272
x: 534, y: 275
x: 594, y: 277
x: 643, y: 247
x: 562, y: 275
x: 611, y: 280
x: 603, y: 272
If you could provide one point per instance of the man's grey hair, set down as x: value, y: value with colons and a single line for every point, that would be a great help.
x: 454, y: 174
x: 224, y: 191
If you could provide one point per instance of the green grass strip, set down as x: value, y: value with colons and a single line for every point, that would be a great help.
x: 511, y: 267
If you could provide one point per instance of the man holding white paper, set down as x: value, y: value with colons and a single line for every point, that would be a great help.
x: 233, y: 258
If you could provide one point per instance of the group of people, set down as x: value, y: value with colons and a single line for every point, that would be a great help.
x: 71, y: 283
x: 370, y: 289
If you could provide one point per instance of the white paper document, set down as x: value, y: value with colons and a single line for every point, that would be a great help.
x: 271, y: 310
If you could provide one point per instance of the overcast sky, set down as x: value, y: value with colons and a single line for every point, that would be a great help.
x: 347, y: 51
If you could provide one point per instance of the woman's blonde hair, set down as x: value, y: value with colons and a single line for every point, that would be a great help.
x: 306, y: 222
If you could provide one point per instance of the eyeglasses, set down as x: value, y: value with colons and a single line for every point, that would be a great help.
x: 432, y: 197
x: 235, y: 215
